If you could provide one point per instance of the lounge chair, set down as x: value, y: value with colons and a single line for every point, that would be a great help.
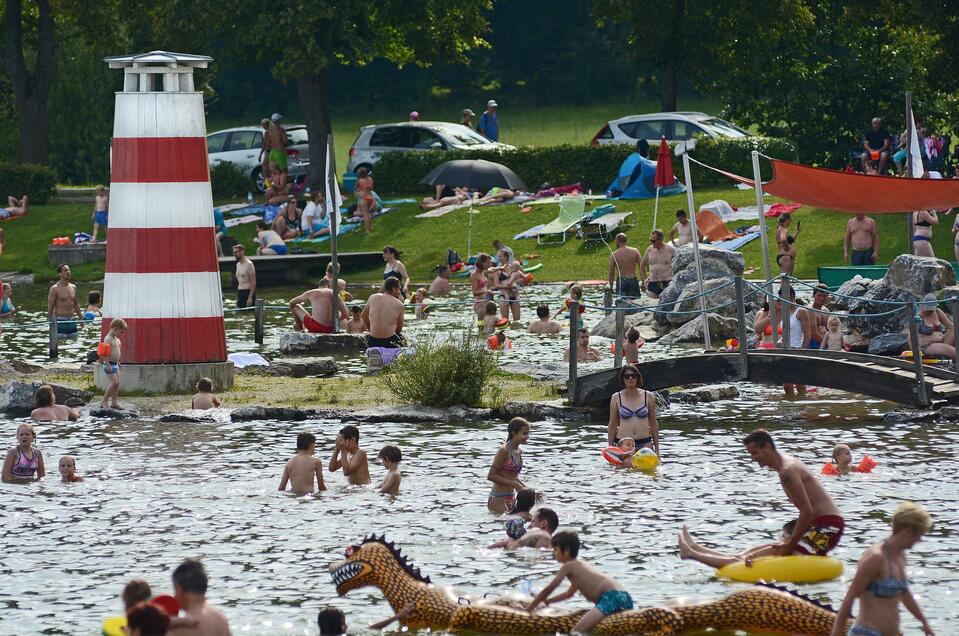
x: 571, y: 210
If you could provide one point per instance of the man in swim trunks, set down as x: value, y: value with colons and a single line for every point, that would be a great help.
x: 383, y: 316
x: 14, y: 208
x: 320, y: 317
x: 245, y: 278
x: 189, y: 588
x: 622, y: 268
x: 818, y: 322
x: 862, y: 234
x: 62, y: 303
x: 275, y: 142
x: 820, y: 524
x: 656, y: 267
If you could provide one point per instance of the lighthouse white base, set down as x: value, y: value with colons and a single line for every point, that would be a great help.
x: 168, y: 378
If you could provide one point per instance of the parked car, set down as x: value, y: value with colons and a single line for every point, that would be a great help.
x: 418, y: 136
x: 680, y: 126
x: 241, y: 147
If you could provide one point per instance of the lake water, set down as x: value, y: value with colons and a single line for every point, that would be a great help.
x: 156, y: 493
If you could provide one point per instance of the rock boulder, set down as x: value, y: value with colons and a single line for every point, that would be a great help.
x: 876, y: 301
x: 303, y: 367
x: 16, y: 398
x: 709, y: 255
x: 128, y: 412
x: 711, y: 393
x: 920, y: 275
x: 606, y: 328
x: 719, y: 292
x: 720, y: 328
x: 298, y: 342
x: 855, y: 287
x: 889, y: 344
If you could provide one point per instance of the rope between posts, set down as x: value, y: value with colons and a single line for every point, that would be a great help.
x: 881, y: 314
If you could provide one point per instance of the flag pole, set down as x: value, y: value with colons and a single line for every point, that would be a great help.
x: 909, y: 132
x: 699, y: 267
x: 758, y: 187
x: 333, y: 207
x: 656, y: 208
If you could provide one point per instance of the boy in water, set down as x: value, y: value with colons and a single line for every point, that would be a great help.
x: 301, y: 468
x: 350, y: 457
x: 355, y: 323
x: 68, y: 470
x: 204, y: 398
x: 391, y: 456
x: 597, y: 587
x: 134, y: 592
x: 632, y: 345
x: 538, y: 535
x: 109, y: 352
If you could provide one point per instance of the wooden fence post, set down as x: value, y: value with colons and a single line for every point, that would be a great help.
x: 620, y: 332
x: 573, y: 350
x: 954, y: 312
x: 917, y: 356
x: 787, y: 311
x: 54, y: 346
x: 258, y: 321
x: 607, y: 300
x: 741, y: 317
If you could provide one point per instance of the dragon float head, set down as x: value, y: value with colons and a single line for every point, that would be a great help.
x: 374, y: 562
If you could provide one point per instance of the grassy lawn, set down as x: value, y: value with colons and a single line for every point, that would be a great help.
x: 424, y: 242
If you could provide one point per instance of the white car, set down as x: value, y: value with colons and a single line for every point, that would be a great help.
x: 678, y: 126
x: 241, y: 147
x: 415, y: 136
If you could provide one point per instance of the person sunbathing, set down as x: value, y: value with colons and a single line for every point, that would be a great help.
x: 496, y: 195
x: 460, y: 196
x: 15, y: 207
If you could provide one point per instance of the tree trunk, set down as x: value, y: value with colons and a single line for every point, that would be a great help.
x: 669, y: 83
x: 30, y: 91
x: 314, y: 91
x: 667, y: 86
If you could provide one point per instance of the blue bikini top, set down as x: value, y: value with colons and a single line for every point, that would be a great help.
x: 625, y: 412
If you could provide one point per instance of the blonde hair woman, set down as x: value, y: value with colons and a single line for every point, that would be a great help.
x: 880, y: 583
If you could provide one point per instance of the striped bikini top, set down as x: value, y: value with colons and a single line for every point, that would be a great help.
x: 625, y: 412
x: 513, y: 464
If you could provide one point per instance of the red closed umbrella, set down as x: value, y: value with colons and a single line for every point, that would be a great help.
x: 664, y: 166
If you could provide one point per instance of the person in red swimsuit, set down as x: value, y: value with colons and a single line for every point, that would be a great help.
x: 320, y: 317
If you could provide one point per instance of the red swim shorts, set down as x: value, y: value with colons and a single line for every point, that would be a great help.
x: 822, y: 536
x: 314, y: 327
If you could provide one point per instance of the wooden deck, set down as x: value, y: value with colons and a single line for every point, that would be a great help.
x: 880, y: 377
x: 293, y: 269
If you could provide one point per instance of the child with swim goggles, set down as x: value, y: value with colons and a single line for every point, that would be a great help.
x: 109, y: 353
x: 23, y: 462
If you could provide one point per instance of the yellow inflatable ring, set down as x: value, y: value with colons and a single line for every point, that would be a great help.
x: 784, y: 569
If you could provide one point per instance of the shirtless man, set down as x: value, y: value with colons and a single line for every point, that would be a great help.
x: 817, y: 321
x: 657, y: 264
x: 622, y: 268
x: 320, y: 317
x: 62, y: 303
x: 682, y: 231
x: 544, y: 325
x: 584, y: 352
x: 47, y: 408
x: 862, y: 234
x: 441, y: 284
x: 275, y: 142
x: 14, y: 208
x: 538, y: 535
x: 245, y: 278
x: 820, y: 524
x: 189, y: 589
x: 383, y: 316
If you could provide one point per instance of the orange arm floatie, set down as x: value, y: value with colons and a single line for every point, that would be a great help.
x: 830, y: 469
x: 103, y: 350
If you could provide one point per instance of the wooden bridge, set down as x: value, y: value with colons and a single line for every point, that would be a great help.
x: 894, y: 379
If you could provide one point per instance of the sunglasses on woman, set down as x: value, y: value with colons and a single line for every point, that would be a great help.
x: 630, y: 376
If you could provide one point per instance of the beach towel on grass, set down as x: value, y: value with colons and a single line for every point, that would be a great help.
x: 437, y: 212
x: 243, y: 360
x: 243, y: 220
x: 256, y: 208
x: 734, y: 244
x: 343, y: 229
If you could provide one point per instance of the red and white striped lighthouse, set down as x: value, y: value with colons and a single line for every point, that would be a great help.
x: 162, y: 274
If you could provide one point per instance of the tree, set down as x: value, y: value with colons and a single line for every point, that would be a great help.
x: 31, y: 88
x: 310, y: 36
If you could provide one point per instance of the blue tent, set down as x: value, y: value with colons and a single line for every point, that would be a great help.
x: 637, y: 180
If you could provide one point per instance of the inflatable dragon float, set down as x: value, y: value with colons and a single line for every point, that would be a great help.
x: 762, y: 608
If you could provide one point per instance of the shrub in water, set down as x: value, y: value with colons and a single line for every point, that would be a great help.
x: 228, y: 182
x: 456, y: 370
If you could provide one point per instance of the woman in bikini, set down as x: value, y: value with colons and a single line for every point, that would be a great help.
x: 287, y: 224
x: 880, y: 583
x: 504, y: 473
x: 480, y: 285
x: 364, y: 198
x: 936, y: 332
x: 761, y: 325
x: 786, y: 243
x: 395, y: 268
x: 922, y: 222
x: 632, y: 412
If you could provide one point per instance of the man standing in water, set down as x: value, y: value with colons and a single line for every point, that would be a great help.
x: 383, y: 316
x: 622, y: 268
x: 819, y: 527
x: 656, y: 267
x: 189, y: 589
x: 62, y: 303
x: 245, y: 278
x: 862, y: 234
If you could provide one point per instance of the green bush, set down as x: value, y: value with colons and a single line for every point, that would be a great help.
x: 228, y: 182
x: 37, y: 182
x: 454, y: 371
x: 593, y: 166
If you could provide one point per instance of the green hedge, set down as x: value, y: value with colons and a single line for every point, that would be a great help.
x: 228, y: 182
x: 39, y: 183
x: 593, y: 166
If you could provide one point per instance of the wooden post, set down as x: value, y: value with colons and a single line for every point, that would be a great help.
x: 954, y: 313
x: 258, y: 321
x: 331, y: 202
x: 573, y: 350
x: 607, y: 300
x: 54, y: 347
x: 620, y: 333
x: 784, y: 292
x: 917, y: 356
x: 741, y: 317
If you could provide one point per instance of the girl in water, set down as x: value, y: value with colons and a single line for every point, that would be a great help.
x: 395, y: 268
x: 480, y: 285
x: 504, y: 473
x: 880, y: 583
x: 23, y: 462
x: 632, y: 412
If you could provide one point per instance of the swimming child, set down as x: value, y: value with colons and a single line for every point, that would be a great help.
x: 109, y: 353
x: 7, y: 306
x: 632, y: 345
x: 628, y: 446
x: 101, y: 210
x: 420, y: 307
x: 391, y: 456
x: 833, y: 340
x: 204, y: 398
x: 350, y: 457
x: 490, y: 319
x: 23, y: 462
x: 364, y: 198
x: 499, y: 341
x: 134, y: 592
x: 841, y: 463
x: 93, y: 304
x: 601, y: 589
x: 575, y: 294
x: 68, y: 469
x: 525, y: 500
x: 355, y: 323
x: 301, y: 468
x: 689, y: 548
x: 341, y: 288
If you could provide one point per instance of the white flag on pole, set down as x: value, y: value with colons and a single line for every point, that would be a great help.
x: 914, y: 150
x: 335, y: 198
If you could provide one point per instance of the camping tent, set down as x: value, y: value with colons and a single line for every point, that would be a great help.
x: 637, y: 180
